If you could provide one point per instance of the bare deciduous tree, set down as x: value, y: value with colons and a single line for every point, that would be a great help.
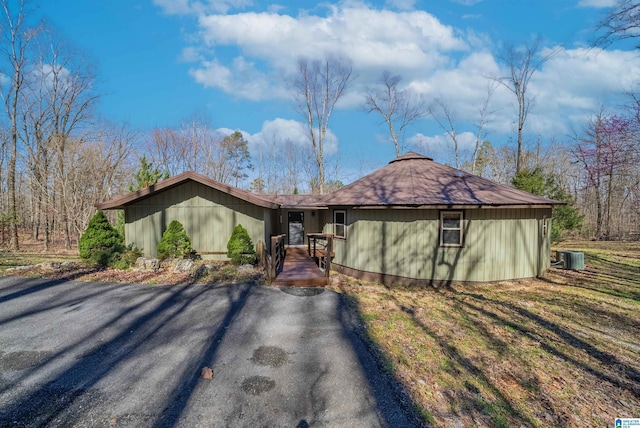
x: 197, y: 140
x: 397, y: 107
x: 162, y: 148
x: 317, y: 87
x: 523, y: 62
x: 606, y: 150
x: 96, y: 170
x: 445, y: 117
x: 281, y: 165
x: 17, y: 37
x: 195, y: 146
x: 72, y: 97
x: 483, y: 117
x: 442, y: 114
x: 620, y: 23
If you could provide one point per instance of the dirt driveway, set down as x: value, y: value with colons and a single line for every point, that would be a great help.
x: 96, y: 354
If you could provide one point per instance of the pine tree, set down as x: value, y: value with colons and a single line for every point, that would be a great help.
x: 147, y: 175
x: 564, y: 217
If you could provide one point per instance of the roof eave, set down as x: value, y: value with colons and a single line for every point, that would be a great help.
x: 303, y: 207
x: 453, y: 206
x: 123, y: 201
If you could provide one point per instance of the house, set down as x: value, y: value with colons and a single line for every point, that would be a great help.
x: 413, y: 221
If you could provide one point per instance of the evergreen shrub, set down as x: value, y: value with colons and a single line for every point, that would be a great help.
x: 100, y: 243
x: 175, y: 242
x: 240, y: 249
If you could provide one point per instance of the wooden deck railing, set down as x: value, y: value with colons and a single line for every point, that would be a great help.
x: 275, y: 260
x: 320, y: 248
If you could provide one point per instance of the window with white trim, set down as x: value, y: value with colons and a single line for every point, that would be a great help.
x: 339, y: 224
x: 451, y: 228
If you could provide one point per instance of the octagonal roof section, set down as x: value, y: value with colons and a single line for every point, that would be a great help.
x: 414, y: 180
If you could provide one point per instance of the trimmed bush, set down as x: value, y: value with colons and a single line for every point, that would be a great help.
x: 100, y: 243
x: 240, y: 249
x: 174, y: 242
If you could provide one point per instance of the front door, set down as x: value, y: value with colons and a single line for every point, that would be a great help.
x: 296, y: 228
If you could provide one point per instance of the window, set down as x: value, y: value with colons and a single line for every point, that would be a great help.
x: 451, y: 224
x: 339, y: 224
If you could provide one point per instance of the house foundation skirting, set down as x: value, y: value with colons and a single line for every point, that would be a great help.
x: 387, y: 280
x: 391, y: 280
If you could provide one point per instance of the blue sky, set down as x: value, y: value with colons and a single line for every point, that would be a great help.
x: 160, y: 61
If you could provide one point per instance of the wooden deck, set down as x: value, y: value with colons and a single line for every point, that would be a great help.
x: 299, y: 270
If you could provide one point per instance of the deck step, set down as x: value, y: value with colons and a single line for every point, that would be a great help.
x: 303, y: 282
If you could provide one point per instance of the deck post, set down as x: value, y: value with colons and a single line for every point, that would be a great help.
x: 277, y: 255
x: 274, y: 250
x: 260, y: 252
x: 327, y: 255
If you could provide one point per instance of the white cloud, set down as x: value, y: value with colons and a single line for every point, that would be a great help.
x: 242, y: 79
x: 269, y: 44
x: 597, y: 3
x: 401, y: 4
x: 569, y: 87
x: 440, y: 147
x: 467, y: 2
x: 463, y: 86
x: 188, y: 7
x: 190, y: 54
x: 49, y: 75
x: 577, y: 81
x: 369, y: 37
x: 275, y: 133
x: 248, y: 55
x: 175, y: 7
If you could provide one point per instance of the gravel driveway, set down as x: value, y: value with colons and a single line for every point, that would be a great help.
x: 97, y: 354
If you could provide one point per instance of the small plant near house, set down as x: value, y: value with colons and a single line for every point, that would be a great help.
x: 240, y: 249
x: 100, y: 243
x: 128, y: 258
x: 175, y: 242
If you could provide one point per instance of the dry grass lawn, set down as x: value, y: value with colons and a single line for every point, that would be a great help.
x: 561, y: 351
x: 558, y: 351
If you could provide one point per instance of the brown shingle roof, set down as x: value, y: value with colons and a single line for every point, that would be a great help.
x: 176, y: 180
x: 411, y: 180
x: 416, y: 180
x: 299, y: 201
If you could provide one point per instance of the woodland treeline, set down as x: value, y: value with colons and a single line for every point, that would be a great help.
x: 58, y: 156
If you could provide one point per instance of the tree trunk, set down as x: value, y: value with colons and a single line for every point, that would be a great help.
x: 36, y: 203
x: 598, y: 231
x: 11, y: 182
x: 521, y: 119
x: 64, y: 215
x: 608, y: 207
x: 47, y: 233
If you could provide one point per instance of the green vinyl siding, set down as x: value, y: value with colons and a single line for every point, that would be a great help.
x: 207, y: 214
x: 498, y: 244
